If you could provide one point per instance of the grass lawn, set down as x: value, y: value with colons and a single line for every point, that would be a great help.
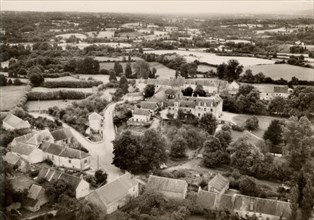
x: 205, y: 68
x: 63, y: 78
x: 103, y: 78
x: 10, y: 96
x: 44, y: 105
x: 285, y: 71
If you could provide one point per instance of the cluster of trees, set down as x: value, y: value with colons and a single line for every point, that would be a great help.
x: 7, y: 51
x: 82, y: 66
x: 55, y: 95
x: 7, y: 82
x: 199, y: 91
x: 72, y: 84
x: 76, y: 115
x: 138, y: 154
x: 230, y: 71
x: 297, y: 49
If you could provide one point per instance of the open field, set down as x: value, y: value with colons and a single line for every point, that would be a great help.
x: 285, y: 71
x: 10, y: 96
x: 63, y: 78
x: 212, y: 58
x: 119, y: 58
x: 101, y: 34
x: 66, y: 36
x: 162, y: 70
x: 103, y: 78
x: 44, y: 89
x: 44, y: 105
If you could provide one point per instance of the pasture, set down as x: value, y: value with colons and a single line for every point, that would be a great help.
x: 103, y: 78
x: 44, y: 89
x: 212, y: 58
x: 63, y: 78
x: 101, y: 34
x: 205, y: 68
x: 67, y: 36
x: 10, y: 96
x: 34, y: 106
x: 285, y: 71
x: 119, y: 58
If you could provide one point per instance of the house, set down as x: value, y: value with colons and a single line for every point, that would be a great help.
x: 134, y: 96
x: 140, y: 117
x: 269, y: 92
x: 171, y: 188
x: 233, y: 88
x: 171, y: 29
x: 95, y: 122
x: 12, y: 122
x: 28, y: 152
x: 197, y: 106
x: 63, y: 136
x: 22, y: 183
x: 115, y: 194
x: 38, y: 137
x: 80, y: 186
x: 244, y: 205
x: 63, y: 156
x: 219, y: 184
x: 36, y: 198
x: 17, y: 162
x: 150, y: 106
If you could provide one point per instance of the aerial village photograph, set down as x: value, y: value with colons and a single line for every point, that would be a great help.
x: 157, y: 110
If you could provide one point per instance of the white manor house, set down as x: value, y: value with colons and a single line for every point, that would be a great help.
x: 197, y: 106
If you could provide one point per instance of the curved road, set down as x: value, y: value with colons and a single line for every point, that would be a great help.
x: 102, y: 152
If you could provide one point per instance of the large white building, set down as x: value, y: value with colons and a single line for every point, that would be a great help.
x: 197, y: 106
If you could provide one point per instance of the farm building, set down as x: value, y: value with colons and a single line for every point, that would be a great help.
x: 269, y: 92
x: 140, y: 117
x: 12, y: 122
x: 116, y: 194
x: 62, y: 136
x: 62, y: 156
x: 197, y: 106
x: 151, y: 106
x: 171, y: 188
x: 80, y: 186
x: 218, y: 184
x: 36, y: 197
x: 245, y: 205
x: 15, y: 161
x: 28, y: 152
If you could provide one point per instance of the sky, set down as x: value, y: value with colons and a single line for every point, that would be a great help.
x: 161, y: 6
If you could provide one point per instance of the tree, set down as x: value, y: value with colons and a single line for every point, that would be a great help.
x: 87, y: 66
x: 123, y: 84
x: 274, y: 132
x: 141, y: 68
x: 149, y: 90
x: 251, y: 123
x: 9, y: 82
x: 17, y: 82
x: 153, y: 73
x: 128, y: 70
x: 199, y: 91
x: 307, y: 200
x: 294, y: 205
x: 22, y: 72
x: 35, y: 76
x: 153, y: 150
x: 224, y: 137
x: 112, y: 75
x: 214, y: 154
x: 230, y: 71
x: 178, y: 147
x: 248, y: 186
x: 278, y: 106
x: 118, y: 69
x: 100, y: 177
x: 104, y: 72
x: 298, y: 136
x: 70, y: 66
x: 187, y: 91
x: 58, y: 188
x: 87, y: 211
x: 208, y: 122
x: 3, y: 80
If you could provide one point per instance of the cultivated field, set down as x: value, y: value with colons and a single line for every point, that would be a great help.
x: 120, y: 58
x: 10, y: 96
x: 205, y: 68
x: 44, y: 89
x: 44, y: 105
x: 212, y: 58
x: 285, y: 71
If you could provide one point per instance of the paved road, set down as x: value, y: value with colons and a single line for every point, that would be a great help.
x: 101, y: 153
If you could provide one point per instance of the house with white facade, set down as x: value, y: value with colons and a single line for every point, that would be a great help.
x: 150, y: 106
x: 95, y: 121
x: 80, y: 186
x: 36, y: 198
x: 62, y: 136
x: 115, y: 194
x: 269, y: 92
x: 140, y: 117
x: 17, y: 162
x: 30, y: 153
x: 62, y: 156
x: 197, y: 106
x: 171, y: 188
x: 12, y: 122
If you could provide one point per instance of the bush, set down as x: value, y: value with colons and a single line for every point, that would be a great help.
x: 55, y: 75
x: 55, y: 95
x: 251, y: 123
x: 237, y: 128
x: 34, y: 173
x: 17, y: 82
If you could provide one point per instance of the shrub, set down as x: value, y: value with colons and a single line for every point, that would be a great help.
x: 34, y: 173
x: 17, y: 82
x: 237, y: 128
x: 55, y: 95
x: 251, y: 123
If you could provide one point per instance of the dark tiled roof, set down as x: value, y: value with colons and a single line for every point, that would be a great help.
x: 73, y: 153
x: 206, y: 199
x: 218, y: 182
x: 164, y: 184
x: 148, y: 105
x: 23, y: 149
x: 52, y: 148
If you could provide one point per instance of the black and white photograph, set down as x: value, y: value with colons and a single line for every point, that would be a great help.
x: 157, y: 110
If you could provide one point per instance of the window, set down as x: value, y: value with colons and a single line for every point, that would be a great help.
x: 69, y: 161
x: 211, y: 110
x: 204, y: 109
x: 85, y: 161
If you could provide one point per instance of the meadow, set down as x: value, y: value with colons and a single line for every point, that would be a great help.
x: 77, y: 35
x: 205, y: 68
x: 44, y: 89
x: 10, y: 96
x: 44, y: 105
x: 285, y: 71
x: 119, y: 58
x: 212, y: 58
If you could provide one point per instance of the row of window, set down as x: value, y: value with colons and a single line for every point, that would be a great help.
x: 52, y: 158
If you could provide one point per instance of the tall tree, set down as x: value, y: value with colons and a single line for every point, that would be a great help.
x: 149, y: 90
x: 141, y: 69
x: 178, y: 146
x: 112, y: 75
x: 128, y: 70
x: 230, y: 71
x: 187, y: 91
x: 118, y: 69
x: 199, y: 91
x: 123, y: 84
x: 274, y: 132
x: 208, y: 122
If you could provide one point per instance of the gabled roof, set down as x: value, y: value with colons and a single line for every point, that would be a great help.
x: 113, y: 191
x: 34, y: 191
x: 206, y: 199
x: 16, y: 122
x: 149, y: 105
x: 62, y: 134
x: 163, y: 184
x: 52, y: 148
x: 23, y: 138
x: 141, y: 112
x: 23, y: 149
x: 95, y: 116
x: 39, y: 136
x: 73, y: 153
x: 36, y: 194
x: 218, y: 182
x: 281, y: 89
x: 11, y: 158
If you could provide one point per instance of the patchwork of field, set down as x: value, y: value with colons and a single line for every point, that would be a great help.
x: 212, y: 58
x: 285, y: 71
x: 120, y: 58
x: 44, y: 105
x: 44, y: 89
x: 77, y: 35
x: 101, y: 34
x: 10, y: 96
